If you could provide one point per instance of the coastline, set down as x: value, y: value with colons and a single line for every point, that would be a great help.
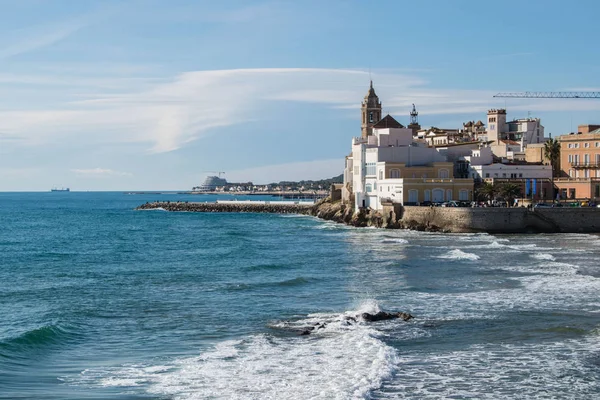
x: 431, y: 219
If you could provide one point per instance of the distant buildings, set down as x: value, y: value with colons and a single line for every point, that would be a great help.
x: 411, y: 165
x: 580, y: 164
x: 388, y: 164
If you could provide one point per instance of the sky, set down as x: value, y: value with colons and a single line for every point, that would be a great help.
x: 154, y: 95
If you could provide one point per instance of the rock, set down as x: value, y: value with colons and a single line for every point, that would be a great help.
x: 382, y: 316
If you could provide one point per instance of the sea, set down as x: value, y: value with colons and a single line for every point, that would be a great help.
x: 100, y: 301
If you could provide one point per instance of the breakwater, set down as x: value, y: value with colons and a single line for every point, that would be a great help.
x: 247, y: 207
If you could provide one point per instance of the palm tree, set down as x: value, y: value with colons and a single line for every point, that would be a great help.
x: 510, y: 191
x: 552, y: 153
x: 487, y: 191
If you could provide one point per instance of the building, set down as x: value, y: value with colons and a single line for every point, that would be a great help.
x: 370, y: 112
x: 389, y: 165
x: 580, y: 164
x: 510, y: 139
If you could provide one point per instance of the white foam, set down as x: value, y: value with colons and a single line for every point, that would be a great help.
x: 457, y: 254
x: 543, y: 256
x: 341, y: 361
x: 399, y: 241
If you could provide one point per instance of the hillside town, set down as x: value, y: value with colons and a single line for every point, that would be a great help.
x: 499, y: 159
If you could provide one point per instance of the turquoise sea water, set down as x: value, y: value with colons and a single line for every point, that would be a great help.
x: 100, y: 301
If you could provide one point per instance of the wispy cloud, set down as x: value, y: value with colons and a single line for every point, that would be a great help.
x: 34, y: 38
x: 165, y: 115
x: 307, y: 170
x: 100, y: 172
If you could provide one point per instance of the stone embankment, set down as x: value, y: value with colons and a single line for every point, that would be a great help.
x: 228, y: 207
x: 460, y: 220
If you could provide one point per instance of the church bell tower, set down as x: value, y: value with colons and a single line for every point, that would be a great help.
x: 370, y: 110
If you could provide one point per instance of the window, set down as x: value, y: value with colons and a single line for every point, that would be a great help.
x: 570, y: 158
x: 597, y: 144
x: 371, y: 116
x: 380, y: 174
x: 487, y: 174
x: 492, y: 127
x: 374, y: 185
x: 495, y: 175
x: 520, y: 175
x: 586, y: 173
x: 369, y: 188
x: 449, y: 195
x: 443, y: 173
x: 586, y: 145
x: 504, y: 175
x: 586, y: 158
x: 571, y: 193
x: 463, y: 195
x: 576, y: 145
x: 395, y: 173
x: 570, y: 145
x: 371, y: 169
x: 572, y: 173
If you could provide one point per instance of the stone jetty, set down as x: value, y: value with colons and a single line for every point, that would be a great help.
x: 245, y: 207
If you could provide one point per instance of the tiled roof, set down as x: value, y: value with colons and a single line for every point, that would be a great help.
x: 388, y: 122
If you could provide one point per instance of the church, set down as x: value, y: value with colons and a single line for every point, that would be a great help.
x: 387, y: 165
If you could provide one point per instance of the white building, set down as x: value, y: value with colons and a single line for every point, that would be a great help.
x: 481, y: 167
x: 389, y: 166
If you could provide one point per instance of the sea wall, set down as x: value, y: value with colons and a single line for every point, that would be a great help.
x: 252, y: 207
x: 504, y: 220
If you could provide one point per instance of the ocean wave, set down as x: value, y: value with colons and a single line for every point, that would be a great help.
x: 264, y: 267
x: 341, y: 361
x: 457, y: 254
x: 543, y: 256
x: 37, y: 338
x: 300, y: 280
x: 397, y: 241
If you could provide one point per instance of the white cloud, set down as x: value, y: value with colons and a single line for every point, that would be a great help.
x: 307, y: 170
x: 38, y: 37
x: 100, y: 172
x: 167, y: 114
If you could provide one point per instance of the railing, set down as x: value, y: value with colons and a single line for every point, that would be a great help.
x: 585, y: 164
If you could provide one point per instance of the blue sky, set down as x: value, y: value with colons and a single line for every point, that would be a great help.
x: 151, y: 95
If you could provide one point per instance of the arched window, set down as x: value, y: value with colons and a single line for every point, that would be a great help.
x: 413, y: 196
x: 443, y: 173
x: 395, y: 173
x: 438, y: 195
x: 448, y: 194
x: 463, y: 194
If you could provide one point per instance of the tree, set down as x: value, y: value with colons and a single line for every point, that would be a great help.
x: 552, y: 153
x: 487, y: 191
x: 510, y: 192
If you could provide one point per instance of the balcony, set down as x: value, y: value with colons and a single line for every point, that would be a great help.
x: 584, y: 164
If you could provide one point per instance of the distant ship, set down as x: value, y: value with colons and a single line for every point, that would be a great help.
x: 62, y: 189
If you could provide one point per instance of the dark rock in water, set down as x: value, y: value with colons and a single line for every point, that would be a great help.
x: 348, y: 320
x: 382, y: 316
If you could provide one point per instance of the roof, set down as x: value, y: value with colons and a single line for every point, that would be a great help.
x: 387, y: 122
x: 595, y: 131
x: 479, y: 123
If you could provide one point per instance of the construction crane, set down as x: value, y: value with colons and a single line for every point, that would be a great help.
x: 214, y: 172
x: 551, y: 95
